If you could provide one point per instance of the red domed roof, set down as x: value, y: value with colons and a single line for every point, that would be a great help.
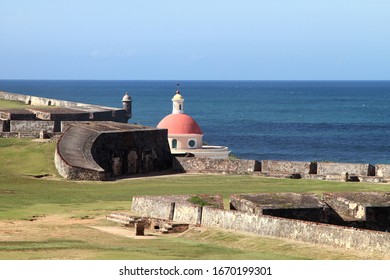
x: 180, y: 124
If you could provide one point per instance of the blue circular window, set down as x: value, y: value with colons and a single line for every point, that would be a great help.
x: 191, y: 143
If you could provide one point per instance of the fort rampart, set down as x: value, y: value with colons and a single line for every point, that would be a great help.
x: 100, y: 150
x: 336, y: 236
x: 222, y: 166
x: 43, y: 101
x: 335, y: 171
x: 263, y: 225
x: 48, y: 114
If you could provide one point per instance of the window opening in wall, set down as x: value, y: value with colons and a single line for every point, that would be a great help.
x: 174, y: 144
x: 191, y: 143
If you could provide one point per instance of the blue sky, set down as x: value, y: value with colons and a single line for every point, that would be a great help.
x: 195, y: 40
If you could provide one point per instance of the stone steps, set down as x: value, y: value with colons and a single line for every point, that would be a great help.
x: 123, y: 219
x: 162, y: 226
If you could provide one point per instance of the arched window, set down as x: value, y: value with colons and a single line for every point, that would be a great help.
x: 174, y: 144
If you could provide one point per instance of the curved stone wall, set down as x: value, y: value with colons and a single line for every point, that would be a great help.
x: 99, y: 150
x: 73, y: 158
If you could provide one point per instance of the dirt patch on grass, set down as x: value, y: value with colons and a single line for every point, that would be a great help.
x: 40, y: 228
x: 125, y: 232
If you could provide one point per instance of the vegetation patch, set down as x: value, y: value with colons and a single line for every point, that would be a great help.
x: 203, y: 200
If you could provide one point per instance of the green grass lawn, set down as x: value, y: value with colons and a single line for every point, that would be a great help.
x: 27, y: 205
x: 9, y: 104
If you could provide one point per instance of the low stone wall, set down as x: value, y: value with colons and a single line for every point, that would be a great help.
x: 345, y: 207
x: 208, y: 165
x: 187, y: 213
x: 153, y: 207
x: 288, y: 167
x: 382, y: 170
x: 31, y: 126
x: 337, y: 168
x: 336, y: 236
x: 175, y: 207
x: 244, y: 205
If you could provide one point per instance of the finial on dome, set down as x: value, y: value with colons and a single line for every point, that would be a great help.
x: 177, y: 102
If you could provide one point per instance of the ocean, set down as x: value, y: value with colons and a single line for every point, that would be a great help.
x: 342, y: 121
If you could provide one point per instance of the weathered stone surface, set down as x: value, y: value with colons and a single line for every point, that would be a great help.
x: 336, y: 236
x: 16, y: 114
x: 287, y: 167
x: 176, y: 207
x: 382, y: 170
x: 187, y: 213
x: 85, y: 111
x: 31, y: 126
x: 367, y: 206
x: 152, y: 206
x: 112, y: 149
x: 303, y: 206
x: 9, y: 135
x: 71, y: 172
x: 208, y: 165
x: 337, y: 168
x: 332, y: 235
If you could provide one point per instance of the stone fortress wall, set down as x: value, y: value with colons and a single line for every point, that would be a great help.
x: 333, y: 171
x: 250, y: 220
x: 100, y: 150
x: 48, y: 115
x: 95, y: 143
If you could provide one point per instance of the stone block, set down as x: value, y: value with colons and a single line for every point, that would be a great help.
x: 152, y: 206
x: 366, y: 206
x: 31, y: 126
x: 303, y: 206
x: 337, y: 168
x: 208, y: 165
x: 382, y: 170
x: 288, y: 167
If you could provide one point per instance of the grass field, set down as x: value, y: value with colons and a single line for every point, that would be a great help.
x: 43, y: 216
x: 10, y: 104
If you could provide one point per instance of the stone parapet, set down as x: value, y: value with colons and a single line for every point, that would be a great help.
x: 336, y: 236
x: 93, y: 112
x: 382, y: 170
x: 153, y: 207
x: 208, y: 165
x: 278, y: 167
x: 31, y: 126
x: 337, y: 168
